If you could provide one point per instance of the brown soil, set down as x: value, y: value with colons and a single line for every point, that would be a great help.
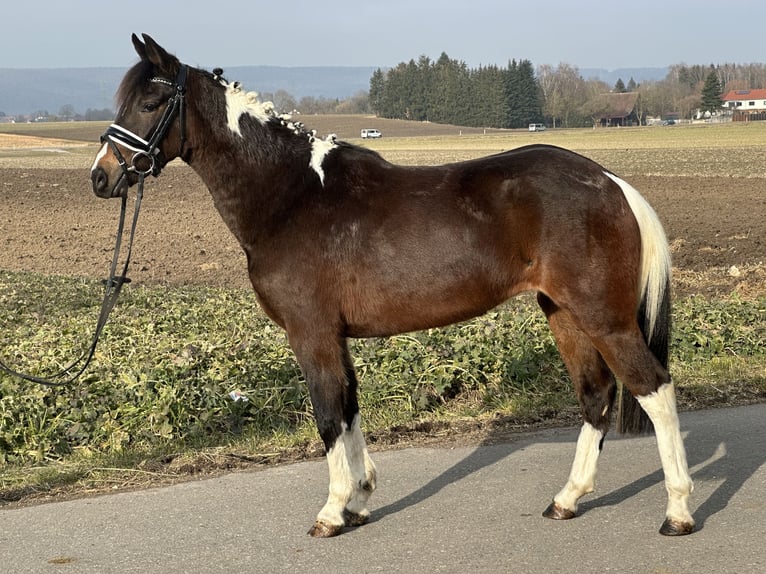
x: 51, y: 222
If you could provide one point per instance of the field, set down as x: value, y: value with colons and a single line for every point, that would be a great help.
x: 707, y: 183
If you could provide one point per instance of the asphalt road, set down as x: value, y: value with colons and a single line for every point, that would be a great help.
x: 461, y: 509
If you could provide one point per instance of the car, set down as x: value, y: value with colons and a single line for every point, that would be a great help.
x: 537, y: 127
x: 371, y: 133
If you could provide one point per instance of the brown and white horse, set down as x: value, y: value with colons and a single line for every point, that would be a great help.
x: 341, y: 243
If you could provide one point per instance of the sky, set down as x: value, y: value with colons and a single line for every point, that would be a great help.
x: 207, y: 33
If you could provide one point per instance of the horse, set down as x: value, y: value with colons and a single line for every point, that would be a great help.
x: 341, y: 243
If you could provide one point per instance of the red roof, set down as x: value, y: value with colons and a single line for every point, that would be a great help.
x: 741, y: 95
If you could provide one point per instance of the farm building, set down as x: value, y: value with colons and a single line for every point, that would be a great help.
x: 618, y: 109
x: 745, y: 105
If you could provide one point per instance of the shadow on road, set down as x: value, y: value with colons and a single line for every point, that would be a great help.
x: 732, y: 461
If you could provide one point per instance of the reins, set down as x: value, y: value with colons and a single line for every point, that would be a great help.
x: 113, y: 285
x: 112, y: 288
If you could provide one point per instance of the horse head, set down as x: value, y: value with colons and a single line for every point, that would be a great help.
x: 149, y: 130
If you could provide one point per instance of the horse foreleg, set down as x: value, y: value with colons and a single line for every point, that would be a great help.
x: 332, y: 384
x: 352, y: 481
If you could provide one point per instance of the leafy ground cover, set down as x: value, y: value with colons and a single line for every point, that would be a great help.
x: 157, y: 403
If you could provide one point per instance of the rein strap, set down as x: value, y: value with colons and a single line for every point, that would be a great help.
x: 116, y: 134
x: 113, y: 286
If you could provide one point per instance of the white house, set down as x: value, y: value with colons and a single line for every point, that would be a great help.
x: 745, y: 105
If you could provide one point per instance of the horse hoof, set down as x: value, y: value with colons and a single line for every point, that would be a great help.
x: 676, y: 528
x: 322, y: 530
x: 355, y: 519
x: 556, y: 512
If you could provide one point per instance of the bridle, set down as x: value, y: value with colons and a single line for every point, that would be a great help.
x: 141, y: 148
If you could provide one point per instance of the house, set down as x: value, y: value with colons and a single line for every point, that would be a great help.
x: 745, y: 105
x: 616, y: 109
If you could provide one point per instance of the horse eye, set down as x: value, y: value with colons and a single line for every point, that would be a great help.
x: 151, y: 106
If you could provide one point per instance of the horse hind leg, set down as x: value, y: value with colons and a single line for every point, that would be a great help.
x: 648, y: 381
x: 332, y: 385
x: 595, y: 389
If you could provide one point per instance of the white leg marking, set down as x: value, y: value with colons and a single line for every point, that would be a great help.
x: 582, y: 478
x: 661, y: 408
x: 352, y: 476
x: 99, y: 156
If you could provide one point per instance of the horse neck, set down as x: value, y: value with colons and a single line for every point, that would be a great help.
x: 253, y: 177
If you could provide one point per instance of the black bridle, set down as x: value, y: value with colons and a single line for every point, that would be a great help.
x: 141, y: 148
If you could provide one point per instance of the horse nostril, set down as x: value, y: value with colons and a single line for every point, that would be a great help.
x: 100, y: 181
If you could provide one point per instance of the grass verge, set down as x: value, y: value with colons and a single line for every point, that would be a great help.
x: 158, y: 402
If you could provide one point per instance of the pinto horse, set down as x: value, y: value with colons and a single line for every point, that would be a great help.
x: 341, y: 243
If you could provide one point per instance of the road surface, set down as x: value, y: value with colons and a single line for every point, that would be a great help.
x: 462, y: 509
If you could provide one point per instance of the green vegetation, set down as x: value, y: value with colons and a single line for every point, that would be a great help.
x: 161, y: 380
x: 169, y: 359
x: 447, y: 91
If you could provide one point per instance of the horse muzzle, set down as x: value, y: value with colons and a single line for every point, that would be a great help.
x: 101, y: 184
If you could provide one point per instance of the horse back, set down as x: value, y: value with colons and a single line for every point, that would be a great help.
x: 390, y: 248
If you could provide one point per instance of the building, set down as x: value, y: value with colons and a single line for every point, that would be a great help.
x: 617, y: 109
x: 745, y: 105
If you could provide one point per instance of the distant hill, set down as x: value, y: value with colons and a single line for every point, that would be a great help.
x: 611, y: 76
x: 30, y: 90
x: 26, y: 91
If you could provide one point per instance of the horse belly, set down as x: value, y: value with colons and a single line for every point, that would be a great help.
x: 377, y: 308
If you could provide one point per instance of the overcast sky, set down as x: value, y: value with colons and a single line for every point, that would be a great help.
x: 606, y: 34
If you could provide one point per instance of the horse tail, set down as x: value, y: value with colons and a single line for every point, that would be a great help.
x: 653, y: 301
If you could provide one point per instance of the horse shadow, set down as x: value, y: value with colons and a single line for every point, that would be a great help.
x: 733, y: 462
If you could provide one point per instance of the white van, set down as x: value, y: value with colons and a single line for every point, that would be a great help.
x: 537, y: 127
x: 371, y: 133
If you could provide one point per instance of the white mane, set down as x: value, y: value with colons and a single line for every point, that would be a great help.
x: 239, y: 102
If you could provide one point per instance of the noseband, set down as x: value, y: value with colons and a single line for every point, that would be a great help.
x: 141, y: 148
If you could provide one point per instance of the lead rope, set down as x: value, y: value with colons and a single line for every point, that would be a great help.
x: 113, y: 286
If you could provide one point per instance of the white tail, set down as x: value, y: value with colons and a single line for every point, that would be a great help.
x: 655, y: 253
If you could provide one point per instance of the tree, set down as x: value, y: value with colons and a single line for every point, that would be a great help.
x: 619, y: 87
x: 377, y: 87
x: 67, y: 112
x: 711, y: 93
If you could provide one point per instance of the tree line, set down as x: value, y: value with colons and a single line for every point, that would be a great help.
x: 448, y: 91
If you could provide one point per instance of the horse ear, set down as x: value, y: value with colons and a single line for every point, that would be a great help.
x: 157, y: 55
x: 139, y: 46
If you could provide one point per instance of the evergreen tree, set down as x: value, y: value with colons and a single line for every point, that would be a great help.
x: 619, y: 87
x: 377, y: 89
x: 711, y: 93
x: 632, y: 85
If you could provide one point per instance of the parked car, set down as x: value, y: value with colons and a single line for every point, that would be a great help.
x: 371, y: 133
x: 537, y: 127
